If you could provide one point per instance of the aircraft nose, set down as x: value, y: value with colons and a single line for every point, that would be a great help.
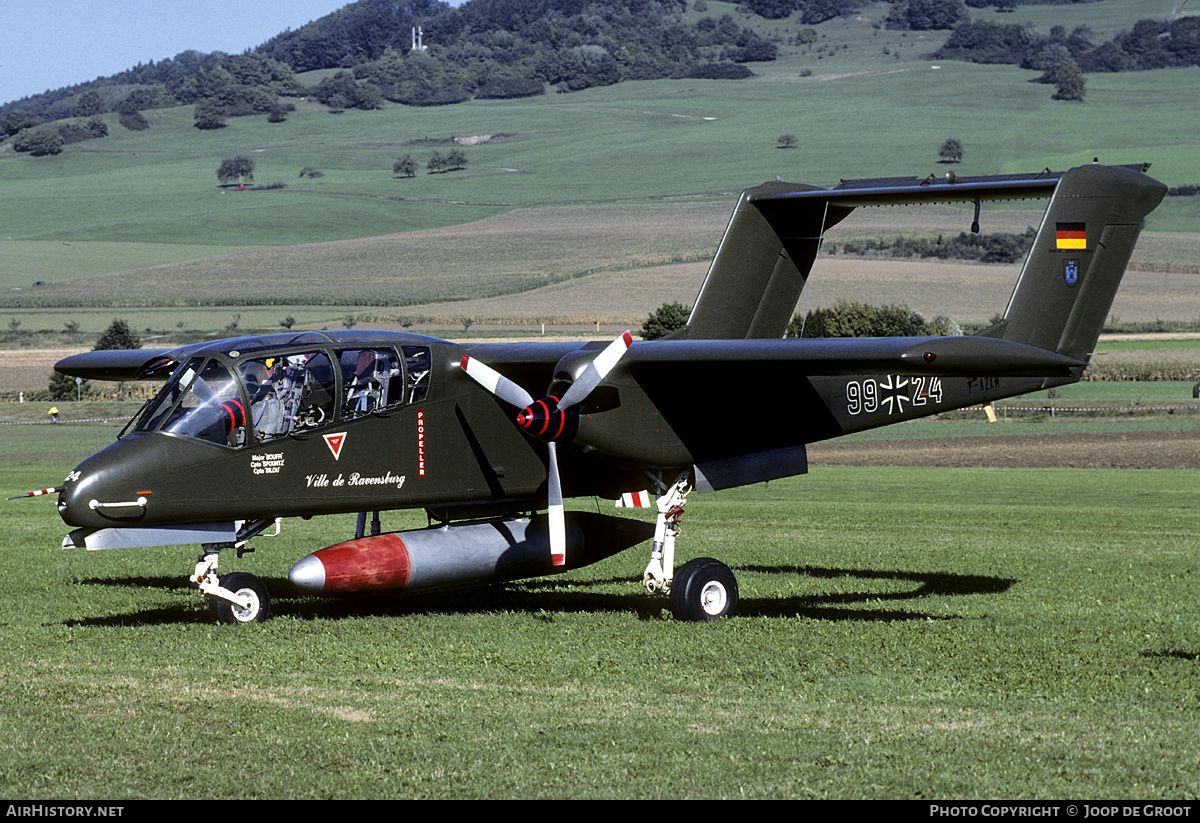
x: 70, y: 506
x: 96, y: 495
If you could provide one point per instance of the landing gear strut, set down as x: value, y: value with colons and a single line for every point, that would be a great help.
x: 702, y: 590
x: 253, y: 606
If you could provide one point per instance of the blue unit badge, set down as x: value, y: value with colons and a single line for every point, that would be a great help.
x: 1071, y: 272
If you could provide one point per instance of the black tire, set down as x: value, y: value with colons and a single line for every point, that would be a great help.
x: 703, y: 590
x: 240, y: 583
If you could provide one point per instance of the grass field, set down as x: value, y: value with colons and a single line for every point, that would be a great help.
x: 903, y: 633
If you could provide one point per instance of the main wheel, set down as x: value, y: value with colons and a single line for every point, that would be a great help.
x: 244, y: 586
x: 703, y: 590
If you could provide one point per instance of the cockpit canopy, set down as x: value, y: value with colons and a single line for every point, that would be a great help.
x: 249, y: 392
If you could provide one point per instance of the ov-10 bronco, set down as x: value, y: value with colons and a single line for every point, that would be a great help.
x: 490, y: 439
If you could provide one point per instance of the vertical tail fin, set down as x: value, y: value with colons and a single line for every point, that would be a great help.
x: 760, y: 266
x: 1067, y: 285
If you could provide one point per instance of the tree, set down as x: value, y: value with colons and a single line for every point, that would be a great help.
x: 1070, y: 86
x: 924, y: 15
x: 951, y: 151
x: 134, y: 120
x: 118, y: 335
x: 208, y: 115
x: 63, y: 387
x: 240, y: 169
x: 787, y: 141
x: 1069, y: 83
x: 848, y: 319
x: 456, y: 160
x: 15, y: 121
x: 665, y: 319
x: 41, y: 142
x: 405, y: 167
x: 89, y: 104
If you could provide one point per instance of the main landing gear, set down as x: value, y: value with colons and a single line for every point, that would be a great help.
x: 701, y: 590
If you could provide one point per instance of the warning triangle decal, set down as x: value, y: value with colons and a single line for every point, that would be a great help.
x: 334, y: 442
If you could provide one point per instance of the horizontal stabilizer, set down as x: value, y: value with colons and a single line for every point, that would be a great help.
x: 911, y: 191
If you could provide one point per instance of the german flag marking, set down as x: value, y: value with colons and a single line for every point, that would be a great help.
x: 1071, y: 236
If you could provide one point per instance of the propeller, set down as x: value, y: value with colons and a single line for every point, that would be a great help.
x: 546, y: 419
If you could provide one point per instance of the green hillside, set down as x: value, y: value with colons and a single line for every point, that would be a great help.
x: 860, y: 100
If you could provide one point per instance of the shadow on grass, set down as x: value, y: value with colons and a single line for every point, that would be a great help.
x: 545, y: 597
x: 1172, y: 655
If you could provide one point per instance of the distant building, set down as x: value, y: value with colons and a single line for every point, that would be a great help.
x: 418, y: 37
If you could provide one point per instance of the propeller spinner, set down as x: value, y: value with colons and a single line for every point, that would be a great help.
x: 546, y: 420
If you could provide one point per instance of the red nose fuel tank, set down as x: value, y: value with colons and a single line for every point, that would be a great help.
x: 456, y: 555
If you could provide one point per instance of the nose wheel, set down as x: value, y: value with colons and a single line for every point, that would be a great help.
x: 234, y: 599
x: 251, y: 603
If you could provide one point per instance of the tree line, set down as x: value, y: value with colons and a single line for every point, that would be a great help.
x: 493, y: 49
x: 1002, y: 247
x: 1150, y: 44
x: 845, y: 319
x: 502, y: 49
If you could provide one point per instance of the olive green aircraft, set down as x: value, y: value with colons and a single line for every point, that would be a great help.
x: 490, y: 439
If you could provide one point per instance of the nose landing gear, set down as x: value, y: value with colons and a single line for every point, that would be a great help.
x: 234, y: 599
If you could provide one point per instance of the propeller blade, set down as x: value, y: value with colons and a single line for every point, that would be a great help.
x: 38, y: 493
x: 596, y: 371
x: 555, y: 511
x: 496, y: 383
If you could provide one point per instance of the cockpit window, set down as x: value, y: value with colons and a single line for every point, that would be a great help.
x: 417, y: 365
x: 371, y: 381
x: 259, y: 399
x: 289, y: 394
x: 201, y: 400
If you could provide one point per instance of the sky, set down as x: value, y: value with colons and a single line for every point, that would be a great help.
x: 56, y: 43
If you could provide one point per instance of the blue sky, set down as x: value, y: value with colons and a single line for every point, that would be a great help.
x: 58, y: 43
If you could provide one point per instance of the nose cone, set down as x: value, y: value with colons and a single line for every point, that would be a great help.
x: 112, y: 487
x: 308, y: 574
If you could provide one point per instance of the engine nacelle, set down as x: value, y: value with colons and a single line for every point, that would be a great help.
x: 494, y: 551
